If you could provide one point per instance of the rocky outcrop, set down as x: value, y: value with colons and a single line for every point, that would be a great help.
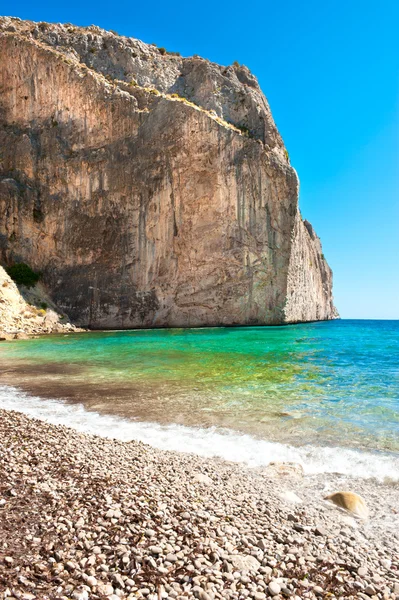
x: 150, y: 190
x: 32, y: 314
x: 309, y: 296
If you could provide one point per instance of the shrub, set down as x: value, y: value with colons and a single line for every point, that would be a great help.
x: 287, y: 156
x: 22, y: 274
x: 93, y: 50
x: 162, y: 51
x: 43, y: 305
x: 244, y: 130
x: 236, y: 64
x: 188, y: 102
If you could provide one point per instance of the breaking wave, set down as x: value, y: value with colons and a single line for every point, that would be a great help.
x: 209, y: 442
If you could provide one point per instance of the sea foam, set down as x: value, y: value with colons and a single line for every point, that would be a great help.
x: 209, y: 442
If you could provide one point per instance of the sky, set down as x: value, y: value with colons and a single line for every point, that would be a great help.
x: 330, y: 71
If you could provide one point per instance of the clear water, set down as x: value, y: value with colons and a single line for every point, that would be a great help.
x: 322, y: 384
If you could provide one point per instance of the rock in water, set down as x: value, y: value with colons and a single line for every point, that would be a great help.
x: 149, y: 189
x: 284, y: 469
x: 350, y: 502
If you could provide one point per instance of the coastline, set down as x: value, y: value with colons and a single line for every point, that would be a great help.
x: 82, y: 516
x: 221, y: 443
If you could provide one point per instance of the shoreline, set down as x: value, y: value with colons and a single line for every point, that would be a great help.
x: 83, y: 516
x: 22, y: 334
x: 221, y: 443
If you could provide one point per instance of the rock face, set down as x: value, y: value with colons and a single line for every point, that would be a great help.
x: 32, y: 314
x: 150, y: 190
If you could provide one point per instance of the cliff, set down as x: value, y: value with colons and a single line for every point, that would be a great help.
x: 31, y: 313
x: 149, y: 189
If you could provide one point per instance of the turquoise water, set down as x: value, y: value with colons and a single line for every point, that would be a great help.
x: 327, y: 384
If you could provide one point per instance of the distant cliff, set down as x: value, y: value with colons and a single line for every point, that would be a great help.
x: 149, y: 189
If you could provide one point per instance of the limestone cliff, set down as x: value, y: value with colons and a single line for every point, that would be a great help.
x: 149, y: 189
x: 30, y: 312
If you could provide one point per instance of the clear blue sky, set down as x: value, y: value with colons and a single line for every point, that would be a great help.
x: 330, y: 70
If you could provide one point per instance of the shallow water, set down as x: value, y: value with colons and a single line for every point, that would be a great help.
x: 320, y: 384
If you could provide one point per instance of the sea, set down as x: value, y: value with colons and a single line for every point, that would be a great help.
x: 325, y: 395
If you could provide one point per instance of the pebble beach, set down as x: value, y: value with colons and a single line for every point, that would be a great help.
x: 83, y: 516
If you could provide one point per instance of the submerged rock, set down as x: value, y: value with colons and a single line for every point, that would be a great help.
x: 284, y: 469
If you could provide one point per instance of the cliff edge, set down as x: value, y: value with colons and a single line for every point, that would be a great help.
x: 150, y: 190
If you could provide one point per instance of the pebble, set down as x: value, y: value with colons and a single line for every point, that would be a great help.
x: 244, y: 563
x: 386, y: 563
x: 80, y: 595
x: 202, y: 478
x: 370, y: 590
x: 91, y: 581
x: 126, y: 521
x: 274, y: 588
x: 172, y: 558
x: 290, y: 497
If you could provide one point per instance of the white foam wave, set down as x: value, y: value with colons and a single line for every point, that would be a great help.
x: 208, y: 442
